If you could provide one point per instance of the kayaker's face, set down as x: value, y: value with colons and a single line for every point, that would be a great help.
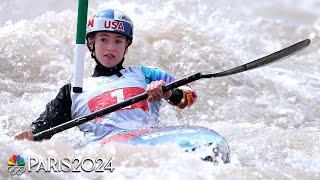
x: 109, y: 48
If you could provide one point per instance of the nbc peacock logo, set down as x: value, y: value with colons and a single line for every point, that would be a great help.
x: 16, y: 165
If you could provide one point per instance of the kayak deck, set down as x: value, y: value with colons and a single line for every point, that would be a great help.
x: 189, y: 138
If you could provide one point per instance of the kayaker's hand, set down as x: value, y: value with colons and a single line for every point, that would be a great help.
x: 154, y: 90
x: 24, y: 135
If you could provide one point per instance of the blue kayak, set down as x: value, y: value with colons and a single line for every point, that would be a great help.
x: 190, y: 138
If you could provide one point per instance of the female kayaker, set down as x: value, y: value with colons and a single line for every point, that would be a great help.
x: 109, y: 34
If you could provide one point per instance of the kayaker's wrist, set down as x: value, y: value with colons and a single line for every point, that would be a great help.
x: 176, y: 97
x: 167, y: 95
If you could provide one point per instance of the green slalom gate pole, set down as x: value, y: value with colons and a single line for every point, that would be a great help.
x: 80, y: 46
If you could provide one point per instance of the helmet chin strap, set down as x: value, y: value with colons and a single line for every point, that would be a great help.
x: 101, y: 70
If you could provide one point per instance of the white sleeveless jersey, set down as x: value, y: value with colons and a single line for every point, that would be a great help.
x: 103, y: 91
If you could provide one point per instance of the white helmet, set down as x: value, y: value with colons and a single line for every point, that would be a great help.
x: 111, y: 20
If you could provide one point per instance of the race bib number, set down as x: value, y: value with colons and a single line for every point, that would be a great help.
x: 109, y: 98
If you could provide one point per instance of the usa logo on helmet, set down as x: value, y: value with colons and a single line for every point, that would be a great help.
x: 115, y: 25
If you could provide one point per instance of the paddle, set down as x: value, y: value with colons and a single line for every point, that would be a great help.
x: 251, y: 65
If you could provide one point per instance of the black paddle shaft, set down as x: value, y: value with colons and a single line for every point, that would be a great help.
x: 251, y: 65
